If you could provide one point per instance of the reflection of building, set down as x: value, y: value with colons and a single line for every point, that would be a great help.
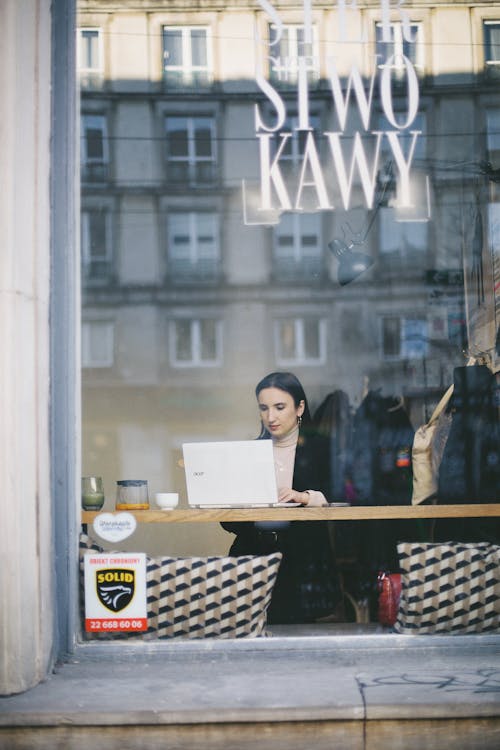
x: 185, y: 307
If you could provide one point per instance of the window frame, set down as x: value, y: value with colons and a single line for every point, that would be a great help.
x: 313, y: 66
x: 489, y: 61
x: 108, y: 328
x: 298, y: 263
x: 292, y: 153
x: 300, y: 357
x: 187, y: 70
x: 83, y: 70
x: 86, y: 244
x: 491, y: 147
x: 194, y: 261
x: 72, y: 367
x: 403, y: 252
x: 398, y: 46
x: 87, y: 163
x: 196, y: 360
x: 403, y: 322
x: 192, y: 160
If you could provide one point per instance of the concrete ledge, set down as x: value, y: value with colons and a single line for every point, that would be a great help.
x: 284, y: 678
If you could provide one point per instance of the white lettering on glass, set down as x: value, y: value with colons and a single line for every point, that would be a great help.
x: 270, y: 172
x: 353, y: 155
x: 341, y: 102
x: 311, y: 161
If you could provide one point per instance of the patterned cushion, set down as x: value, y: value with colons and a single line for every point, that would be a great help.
x: 450, y: 587
x: 197, y: 597
x: 200, y: 597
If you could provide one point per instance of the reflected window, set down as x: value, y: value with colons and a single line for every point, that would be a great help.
x: 89, y: 56
x: 403, y: 240
x: 97, y: 344
x: 190, y: 143
x: 401, y: 42
x: 186, y: 56
x: 300, y: 341
x: 196, y: 342
x: 297, y: 247
x: 193, y: 246
x: 405, y: 139
x: 94, y: 147
x: 494, y: 232
x: 491, y: 35
x: 292, y: 153
x: 493, y: 135
x: 96, y: 245
x: 285, y: 52
x: 404, y: 337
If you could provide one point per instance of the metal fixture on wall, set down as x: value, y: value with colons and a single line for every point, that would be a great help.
x: 351, y: 262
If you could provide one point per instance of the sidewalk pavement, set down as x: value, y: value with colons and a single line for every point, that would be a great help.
x: 283, y: 678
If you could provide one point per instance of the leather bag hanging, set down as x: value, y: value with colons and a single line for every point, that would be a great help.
x: 427, y: 451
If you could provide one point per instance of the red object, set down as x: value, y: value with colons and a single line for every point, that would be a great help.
x: 389, y: 587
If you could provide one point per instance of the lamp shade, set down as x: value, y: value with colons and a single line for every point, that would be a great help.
x: 351, y: 262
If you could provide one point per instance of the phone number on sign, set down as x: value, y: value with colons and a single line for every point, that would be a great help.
x: 118, y: 625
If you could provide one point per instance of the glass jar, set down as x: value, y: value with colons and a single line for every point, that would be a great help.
x: 132, y: 494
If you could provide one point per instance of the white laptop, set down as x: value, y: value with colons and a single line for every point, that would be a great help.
x: 230, y: 474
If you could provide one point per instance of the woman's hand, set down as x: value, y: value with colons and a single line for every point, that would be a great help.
x: 287, y: 495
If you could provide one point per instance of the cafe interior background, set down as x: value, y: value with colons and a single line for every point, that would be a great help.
x: 242, y: 212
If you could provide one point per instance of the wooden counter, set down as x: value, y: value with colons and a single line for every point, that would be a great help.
x: 351, y: 513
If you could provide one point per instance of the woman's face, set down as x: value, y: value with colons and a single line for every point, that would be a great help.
x: 278, y: 411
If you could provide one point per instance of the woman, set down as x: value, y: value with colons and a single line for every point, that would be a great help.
x: 305, y: 588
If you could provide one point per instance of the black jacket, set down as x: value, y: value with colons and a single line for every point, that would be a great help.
x: 305, y: 588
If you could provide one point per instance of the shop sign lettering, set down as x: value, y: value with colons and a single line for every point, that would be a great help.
x: 352, y: 156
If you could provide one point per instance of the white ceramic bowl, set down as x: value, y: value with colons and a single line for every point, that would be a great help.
x: 167, y: 500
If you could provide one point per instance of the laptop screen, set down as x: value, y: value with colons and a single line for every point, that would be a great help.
x: 231, y: 474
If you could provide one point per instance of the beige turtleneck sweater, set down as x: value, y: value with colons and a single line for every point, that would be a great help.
x: 284, y: 459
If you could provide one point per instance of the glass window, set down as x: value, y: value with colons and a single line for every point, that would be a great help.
x: 491, y: 31
x: 494, y: 245
x: 94, y: 147
x: 196, y: 343
x: 190, y: 149
x: 404, y: 337
x: 402, y: 239
x: 405, y: 139
x: 186, y: 56
x: 493, y: 133
x: 97, y: 344
x: 293, y: 150
x: 193, y: 246
x: 96, y: 245
x: 218, y: 264
x: 285, y: 53
x: 297, y: 245
x: 402, y: 42
x: 300, y: 341
x: 89, y: 51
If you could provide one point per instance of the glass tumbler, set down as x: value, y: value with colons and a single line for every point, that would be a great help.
x: 92, y: 493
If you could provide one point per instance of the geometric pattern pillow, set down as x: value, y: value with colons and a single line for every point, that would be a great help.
x: 203, y: 597
x: 449, y: 587
x: 199, y: 597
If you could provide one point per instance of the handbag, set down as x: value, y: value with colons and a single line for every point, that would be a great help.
x: 389, y: 588
x: 427, y: 451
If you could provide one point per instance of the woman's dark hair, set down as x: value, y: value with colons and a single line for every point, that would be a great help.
x: 288, y: 382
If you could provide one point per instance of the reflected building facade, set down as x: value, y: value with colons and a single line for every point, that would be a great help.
x: 193, y: 289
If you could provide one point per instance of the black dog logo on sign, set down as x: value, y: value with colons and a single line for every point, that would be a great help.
x: 115, y: 587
